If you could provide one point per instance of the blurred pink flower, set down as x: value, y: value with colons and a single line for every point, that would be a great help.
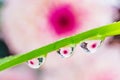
x: 29, y: 24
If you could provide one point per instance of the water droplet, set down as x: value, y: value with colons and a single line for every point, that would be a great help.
x: 90, y: 46
x: 66, y: 52
x: 36, y: 62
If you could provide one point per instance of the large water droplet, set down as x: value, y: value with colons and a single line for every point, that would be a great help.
x: 67, y: 51
x: 90, y: 46
x: 36, y: 62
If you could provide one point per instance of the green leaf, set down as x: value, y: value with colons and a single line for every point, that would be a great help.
x: 97, y: 33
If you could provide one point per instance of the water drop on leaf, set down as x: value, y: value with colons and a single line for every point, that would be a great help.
x: 90, y: 46
x: 66, y: 52
x: 36, y: 62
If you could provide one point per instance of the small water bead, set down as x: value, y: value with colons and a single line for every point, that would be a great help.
x: 36, y: 62
x: 66, y: 52
x: 90, y: 46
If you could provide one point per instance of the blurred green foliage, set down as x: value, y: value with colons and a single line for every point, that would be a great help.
x: 4, y: 51
x: 1, y: 3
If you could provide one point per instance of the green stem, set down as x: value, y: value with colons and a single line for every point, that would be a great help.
x: 97, y: 33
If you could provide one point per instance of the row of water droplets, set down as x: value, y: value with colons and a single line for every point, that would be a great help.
x: 87, y: 46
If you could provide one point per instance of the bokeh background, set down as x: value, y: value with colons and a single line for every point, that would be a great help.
x: 24, y: 26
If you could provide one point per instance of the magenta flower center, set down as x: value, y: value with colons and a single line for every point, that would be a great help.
x: 63, y: 20
x: 94, y: 45
x: 31, y: 62
x: 65, y: 52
